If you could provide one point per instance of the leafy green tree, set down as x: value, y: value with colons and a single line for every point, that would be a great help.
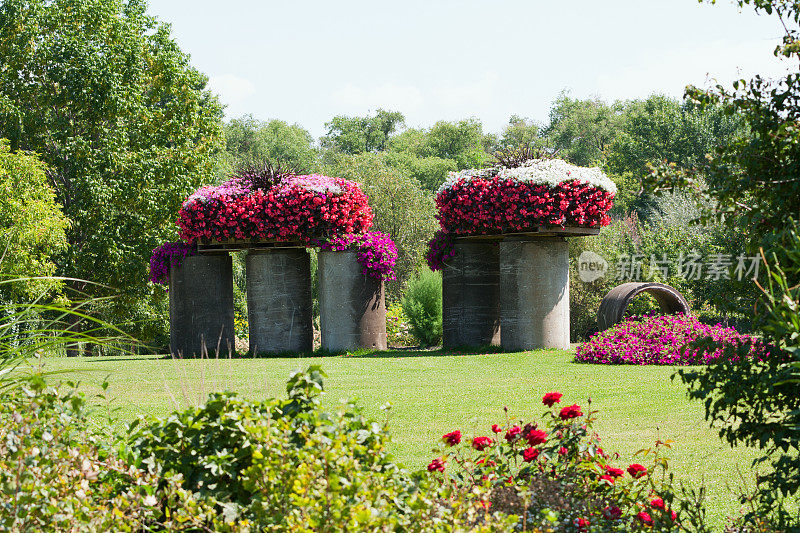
x: 354, y: 135
x: 519, y: 133
x: 32, y: 226
x: 248, y: 139
x: 580, y: 131
x: 430, y: 172
x: 461, y: 141
x: 124, y: 124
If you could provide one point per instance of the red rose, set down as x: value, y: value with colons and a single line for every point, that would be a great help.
x: 481, y: 443
x: 645, y: 518
x: 572, y: 411
x: 612, y: 513
x: 513, y: 433
x: 536, y: 436
x: 636, y: 470
x: 562, y: 451
x: 657, y: 503
x: 614, y: 472
x: 608, y: 479
x: 551, y: 398
x: 530, y: 454
x: 496, y: 428
x: 452, y: 438
x: 673, y: 515
x: 581, y: 524
x: 437, y: 465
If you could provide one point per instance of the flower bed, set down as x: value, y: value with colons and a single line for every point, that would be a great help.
x: 297, y: 208
x: 537, y: 193
x: 166, y: 255
x: 658, y: 340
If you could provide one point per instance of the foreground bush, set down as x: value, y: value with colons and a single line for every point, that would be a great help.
x: 660, y: 340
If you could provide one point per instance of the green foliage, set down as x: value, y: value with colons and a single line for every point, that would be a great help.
x: 422, y: 304
x: 751, y: 183
x: 31, y: 226
x: 124, y: 124
x: 757, y: 402
x: 580, y: 131
x: 402, y: 209
x: 430, y: 172
x: 462, y: 142
x: 398, y: 329
x: 285, y: 465
x: 250, y: 140
x: 355, y: 135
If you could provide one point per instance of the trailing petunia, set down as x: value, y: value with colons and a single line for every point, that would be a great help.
x: 376, y: 252
x: 166, y: 255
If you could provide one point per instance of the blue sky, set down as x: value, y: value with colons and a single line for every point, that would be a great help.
x: 305, y: 61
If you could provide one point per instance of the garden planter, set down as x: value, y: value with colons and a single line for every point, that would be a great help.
x: 352, y: 304
x: 534, y: 293
x: 201, y: 306
x: 279, y: 307
x: 471, y: 295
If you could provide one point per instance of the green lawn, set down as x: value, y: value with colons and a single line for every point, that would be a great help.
x: 435, y: 393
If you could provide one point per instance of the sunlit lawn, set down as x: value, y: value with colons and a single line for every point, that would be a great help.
x: 434, y: 393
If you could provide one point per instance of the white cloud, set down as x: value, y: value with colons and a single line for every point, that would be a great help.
x: 233, y: 90
x: 669, y: 72
x: 357, y: 99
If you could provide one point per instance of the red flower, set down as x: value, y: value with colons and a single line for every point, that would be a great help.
x: 452, y: 438
x: 530, y: 454
x: 645, y: 518
x: 513, y: 433
x: 437, y: 465
x: 607, y: 478
x: 581, y: 524
x: 636, y: 470
x: 551, y: 398
x: 612, y: 512
x: 657, y: 503
x: 562, y: 451
x: 571, y: 411
x: 614, y: 472
x: 536, y: 436
x: 496, y: 428
x: 481, y: 443
x: 673, y: 515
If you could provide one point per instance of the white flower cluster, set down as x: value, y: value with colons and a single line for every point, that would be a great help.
x: 313, y: 183
x: 549, y: 172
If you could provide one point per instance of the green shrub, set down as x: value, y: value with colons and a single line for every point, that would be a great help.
x: 398, y: 329
x: 286, y: 465
x: 422, y: 304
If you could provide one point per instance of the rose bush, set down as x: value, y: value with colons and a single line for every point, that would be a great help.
x: 537, y: 193
x: 556, y: 474
x: 660, y: 340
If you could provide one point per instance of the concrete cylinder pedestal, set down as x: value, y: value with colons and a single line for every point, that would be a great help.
x: 534, y: 294
x: 471, y: 296
x: 352, y: 306
x: 279, y: 307
x: 201, y: 306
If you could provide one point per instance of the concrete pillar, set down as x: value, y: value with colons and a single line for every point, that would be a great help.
x: 279, y: 307
x: 352, y: 306
x: 471, y: 296
x: 201, y: 306
x: 534, y: 294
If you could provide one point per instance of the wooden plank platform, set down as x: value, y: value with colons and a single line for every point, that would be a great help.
x: 238, y: 245
x: 541, y: 231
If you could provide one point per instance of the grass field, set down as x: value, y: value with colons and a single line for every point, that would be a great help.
x: 433, y: 393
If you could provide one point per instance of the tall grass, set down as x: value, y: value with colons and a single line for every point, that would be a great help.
x: 44, y: 326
